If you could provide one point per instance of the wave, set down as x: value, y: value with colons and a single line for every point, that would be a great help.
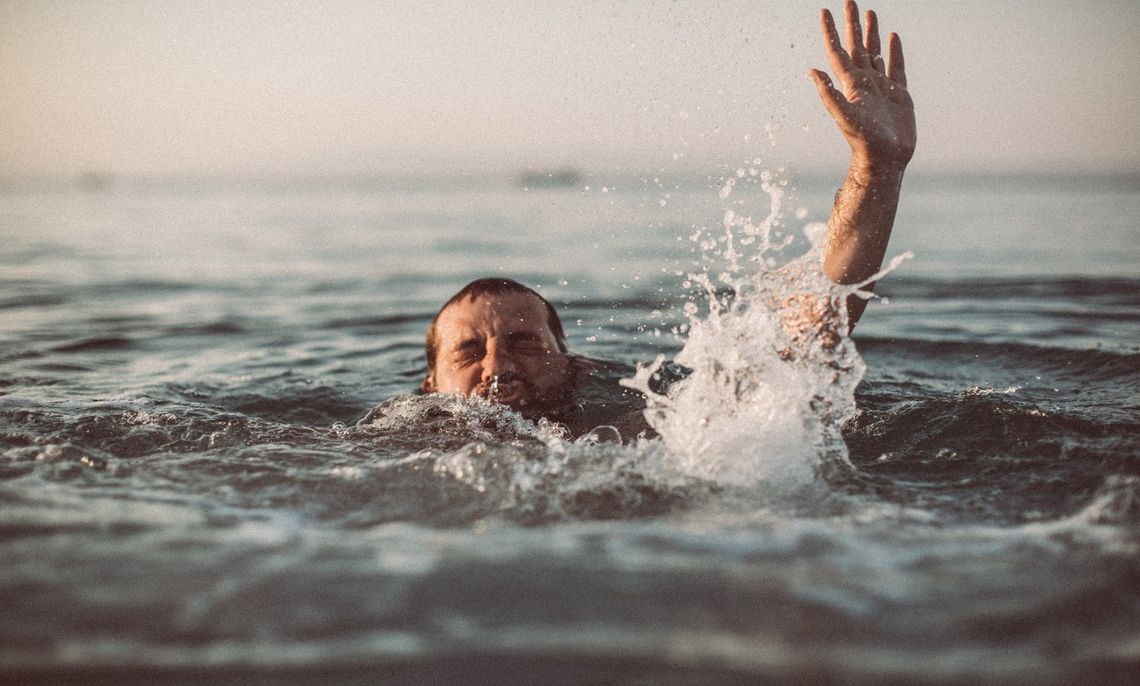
x: 96, y: 344
x: 985, y: 453
x: 1088, y: 365
x: 1105, y: 290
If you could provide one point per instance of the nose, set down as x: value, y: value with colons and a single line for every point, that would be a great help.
x: 497, y: 362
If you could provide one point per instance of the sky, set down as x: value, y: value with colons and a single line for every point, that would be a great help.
x: 434, y: 86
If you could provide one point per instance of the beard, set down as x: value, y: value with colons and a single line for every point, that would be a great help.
x: 524, y: 397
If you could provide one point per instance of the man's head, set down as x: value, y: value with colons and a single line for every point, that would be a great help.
x: 498, y: 339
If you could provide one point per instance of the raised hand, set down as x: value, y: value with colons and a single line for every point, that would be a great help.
x: 873, y: 109
x: 875, y: 114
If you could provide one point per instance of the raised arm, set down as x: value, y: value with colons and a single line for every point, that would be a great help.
x: 875, y: 114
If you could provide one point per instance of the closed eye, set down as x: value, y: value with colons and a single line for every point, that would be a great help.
x: 467, y: 352
x: 527, y: 344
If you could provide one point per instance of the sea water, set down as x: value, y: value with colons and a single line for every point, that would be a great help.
x: 188, y: 493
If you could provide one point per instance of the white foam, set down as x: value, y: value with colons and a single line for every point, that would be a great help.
x: 773, y: 372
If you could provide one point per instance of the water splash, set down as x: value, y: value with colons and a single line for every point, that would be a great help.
x: 771, y: 377
x: 444, y: 420
x: 773, y: 373
x: 524, y: 471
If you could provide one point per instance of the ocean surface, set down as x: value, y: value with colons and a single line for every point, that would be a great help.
x: 188, y: 494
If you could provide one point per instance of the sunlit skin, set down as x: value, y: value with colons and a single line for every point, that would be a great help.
x: 875, y: 114
x: 500, y: 347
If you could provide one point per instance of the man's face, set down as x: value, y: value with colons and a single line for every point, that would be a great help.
x: 500, y: 347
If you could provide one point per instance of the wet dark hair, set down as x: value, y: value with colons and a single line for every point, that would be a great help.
x: 491, y: 286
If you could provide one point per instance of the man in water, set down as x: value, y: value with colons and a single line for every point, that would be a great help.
x: 500, y: 340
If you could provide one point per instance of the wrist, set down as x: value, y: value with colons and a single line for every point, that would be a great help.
x: 865, y: 170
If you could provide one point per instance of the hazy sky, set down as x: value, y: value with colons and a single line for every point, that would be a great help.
x: 391, y: 87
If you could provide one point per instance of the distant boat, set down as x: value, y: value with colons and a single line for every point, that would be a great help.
x: 93, y: 181
x: 553, y: 178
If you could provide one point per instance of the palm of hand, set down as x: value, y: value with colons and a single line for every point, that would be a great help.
x: 874, y: 111
x: 879, y: 119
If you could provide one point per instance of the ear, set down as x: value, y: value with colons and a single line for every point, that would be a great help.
x: 427, y: 385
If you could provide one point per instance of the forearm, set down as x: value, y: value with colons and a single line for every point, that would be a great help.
x: 860, y: 225
x: 875, y: 113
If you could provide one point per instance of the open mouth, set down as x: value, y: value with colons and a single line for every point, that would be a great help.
x: 504, y: 392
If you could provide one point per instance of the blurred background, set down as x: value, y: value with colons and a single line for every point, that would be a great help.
x: 438, y: 87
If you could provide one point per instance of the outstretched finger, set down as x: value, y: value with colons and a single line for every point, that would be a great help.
x: 897, y: 70
x: 855, y: 36
x: 833, y: 100
x: 871, y: 42
x: 837, y: 57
